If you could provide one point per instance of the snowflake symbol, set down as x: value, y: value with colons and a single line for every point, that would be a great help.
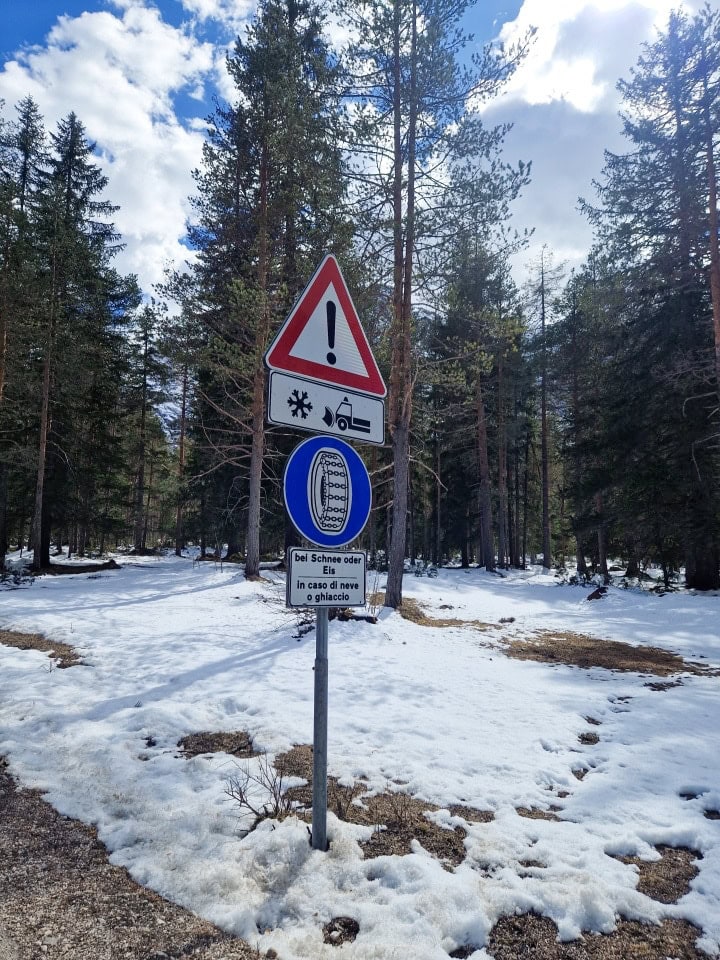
x: 299, y: 404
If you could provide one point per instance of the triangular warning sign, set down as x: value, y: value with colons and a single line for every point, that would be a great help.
x: 322, y: 338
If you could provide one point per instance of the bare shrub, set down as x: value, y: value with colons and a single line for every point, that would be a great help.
x: 258, y: 789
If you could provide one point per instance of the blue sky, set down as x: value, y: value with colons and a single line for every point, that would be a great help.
x: 141, y: 75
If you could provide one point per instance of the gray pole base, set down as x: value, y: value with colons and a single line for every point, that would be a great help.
x: 319, y: 798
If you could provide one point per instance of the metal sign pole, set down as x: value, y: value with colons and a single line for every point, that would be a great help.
x: 319, y: 799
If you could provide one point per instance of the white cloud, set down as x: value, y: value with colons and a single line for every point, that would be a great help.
x: 564, y: 105
x: 119, y: 74
x: 581, y: 47
x: 233, y: 14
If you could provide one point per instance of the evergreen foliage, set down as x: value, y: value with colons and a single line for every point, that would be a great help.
x: 578, y: 422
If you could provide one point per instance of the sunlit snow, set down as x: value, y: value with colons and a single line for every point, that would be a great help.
x: 171, y: 648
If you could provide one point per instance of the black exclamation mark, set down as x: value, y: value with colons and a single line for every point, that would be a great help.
x: 330, y: 307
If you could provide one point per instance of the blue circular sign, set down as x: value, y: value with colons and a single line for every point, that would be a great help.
x: 327, y: 491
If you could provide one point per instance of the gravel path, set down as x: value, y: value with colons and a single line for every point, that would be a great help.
x: 61, y: 899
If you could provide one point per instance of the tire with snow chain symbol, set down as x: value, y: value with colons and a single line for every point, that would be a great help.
x: 329, y: 491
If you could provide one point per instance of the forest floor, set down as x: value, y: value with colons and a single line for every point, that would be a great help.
x: 514, y: 772
x: 62, y: 899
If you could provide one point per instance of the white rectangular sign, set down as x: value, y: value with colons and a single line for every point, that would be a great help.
x: 325, y: 408
x: 322, y: 577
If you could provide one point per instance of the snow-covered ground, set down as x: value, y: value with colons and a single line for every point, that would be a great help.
x: 172, y: 648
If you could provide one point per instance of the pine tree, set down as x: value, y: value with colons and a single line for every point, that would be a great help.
x: 269, y: 201
x: 74, y: 241
x: 412, y: 94
x: 22, y: 153
x: 653, y: 218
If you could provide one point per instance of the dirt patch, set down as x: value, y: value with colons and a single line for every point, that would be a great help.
x: 712, y: 814
x: 340, y: 930
x: 296, y: 762
x: 589, y: 739
x: 61, y: 899
x: 62, y: 653
x: 531, y: 937
x: 237, y: 743
x: 396, y: 840
x: 668, y: 878
x: 578, y: 650
x: 413, y: 610
x: 397, y: 817
x: 471, y: 814
x: 535, y: 813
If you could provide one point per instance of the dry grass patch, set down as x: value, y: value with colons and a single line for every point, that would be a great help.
x: 471, y: 814
x: 589, y: 739
x: 576, y: 649
x: 296, y: 762
x: 668, y: 878
x: 413, y: 610
x: 400, y: 819
x: 535, y: 938
x: 535, y: 813
x: 62, y: 653
x: 397, y: 817
x: 237, y: 743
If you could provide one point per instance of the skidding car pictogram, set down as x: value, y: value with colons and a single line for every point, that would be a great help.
x: 344, y: 419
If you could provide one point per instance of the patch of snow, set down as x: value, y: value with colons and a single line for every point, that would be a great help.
x: 171, y: 648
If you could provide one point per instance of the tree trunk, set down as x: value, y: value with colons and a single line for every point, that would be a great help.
x: 713, y: 224
x: 147, y: 502
x: 485, y: 495
x: 179, y: 539
x: 511, y: 515
x: 3, y: 514
x: 502, y: 471
x: 438, y: 505
x: 400, y: 377
x: 602, y: 545
x: 3, y: 338
x: 138, y: 525
x: 203, y: 522
x: 36, y: 536
x: 701, y: 565
x: 547, y: 559
x: 580, y: 564
x: 257, y: 452
x: 412, y: 546
x: 396, y: 553
x: 525, y: 496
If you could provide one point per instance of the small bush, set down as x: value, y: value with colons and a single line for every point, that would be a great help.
x: 258, y: 789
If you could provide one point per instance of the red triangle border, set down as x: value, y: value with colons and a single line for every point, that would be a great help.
x: 278, y: 356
